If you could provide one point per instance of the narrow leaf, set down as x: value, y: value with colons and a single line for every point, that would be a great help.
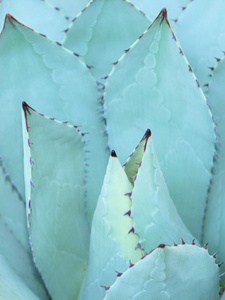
x: 54, y: 178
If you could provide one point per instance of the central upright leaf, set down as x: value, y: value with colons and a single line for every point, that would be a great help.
x: 152, y: 86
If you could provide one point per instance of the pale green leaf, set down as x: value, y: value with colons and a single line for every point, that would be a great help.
x: 111, y: 247
x: 214, y: 227
x: 152, y: 87
x: 20, y: 261
x: 103, y: 31
x: 169, y: 272
x: 201, y: 35
x: 55, y: 82
x: 54, y: 178
x: 11, y: 285
x: 152, y: 8
x: 155, y: 216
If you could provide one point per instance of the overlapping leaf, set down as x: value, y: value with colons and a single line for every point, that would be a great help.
x: 111, y: 244
x: 152, y: 86
x: 177, y: 272
x: 54, y: 176
x: 201, y: 35
x: 214, y: 228
x: 56, y: 83
x: 103, y: 31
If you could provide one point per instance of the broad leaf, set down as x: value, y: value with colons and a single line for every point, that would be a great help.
x: 37, y: 15
x: 214, y: 227
x: 11, y: 285
x: 202, y: 36
x: 111, y: 245
x: 103, y: 31
x: 56, y: 83
x: 152, y: 8
x: 152, y: 86
x: 177, y: 272
x: 54, y: 178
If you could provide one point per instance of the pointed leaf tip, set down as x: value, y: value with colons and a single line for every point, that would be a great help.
x: 148, y: 133
x: 164, y: 15
x: 113, y: 153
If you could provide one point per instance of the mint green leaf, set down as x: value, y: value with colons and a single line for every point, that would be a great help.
x: 152, y: 8
x: 116, y: 22
x: 11, y: 285
x: 169, y: 272
x: 20, y: 261
x: 202, y: 40
x: 156, y: 219
x: 56, y: 83
x: 54, y: 177
x: 214, y: 227
x: 37, y: 15
x: 152, y: 87
x: 111, y: 247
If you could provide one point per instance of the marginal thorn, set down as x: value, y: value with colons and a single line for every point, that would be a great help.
x: 134, y: 178
x: 220, y: 264
x: 183, y: 242
x: 113, y: 153
x: 193, y: 242
x: 175, y: 244
x: 214, y: 255
x: 131, y: 230
x: 119, y: 274
x: 222, y: 275
x: 138, y: 246
x: 205, y: 246
x: 105, y: 287
x: 129, y: 194
x: 128, y: 213
x: 131, y: 265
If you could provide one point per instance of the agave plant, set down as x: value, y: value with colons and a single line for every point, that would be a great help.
x: 77, y: 222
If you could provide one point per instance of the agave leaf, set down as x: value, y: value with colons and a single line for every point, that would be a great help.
x: 68, y: 8
x: 169, y: 272
x: 11, y: 285
x: 116, y: 22
x: 214, y: 227
x: 51, y: 23
x: 202, y: 40
x: 20, y: 261
x: 111, y: 247
x: 59, y: 85
x: 152, y: 8
x: 54, y: 177
x: 12, y: 209
x: 156, y: 219
x: 141, y: 91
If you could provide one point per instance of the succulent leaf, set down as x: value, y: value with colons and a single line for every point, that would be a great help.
x: 214, y: 226
x: 11, y: 285
x: 25, y: 10
x: 111, y: 246
x: 151, y: 87
x: 202, y: 40
x: 152, y: 8
x: 155, y: 216
x: 19, y: 259
x: 117, y: 21
x: 54, y: 177
x: 60, y: 85
x: 169, y: 272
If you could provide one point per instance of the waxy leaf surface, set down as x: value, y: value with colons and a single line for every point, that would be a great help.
x: 55, y: 82
x: 54, y: 178
x: 152, y: 86
x: 202, y: 36
x: 155, y: 216
x: 169, y: 272
x: 103, y: 31
x: 111, y: 246
x: 214, y: 227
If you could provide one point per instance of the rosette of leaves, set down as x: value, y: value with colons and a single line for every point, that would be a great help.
x: 106, y: 79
